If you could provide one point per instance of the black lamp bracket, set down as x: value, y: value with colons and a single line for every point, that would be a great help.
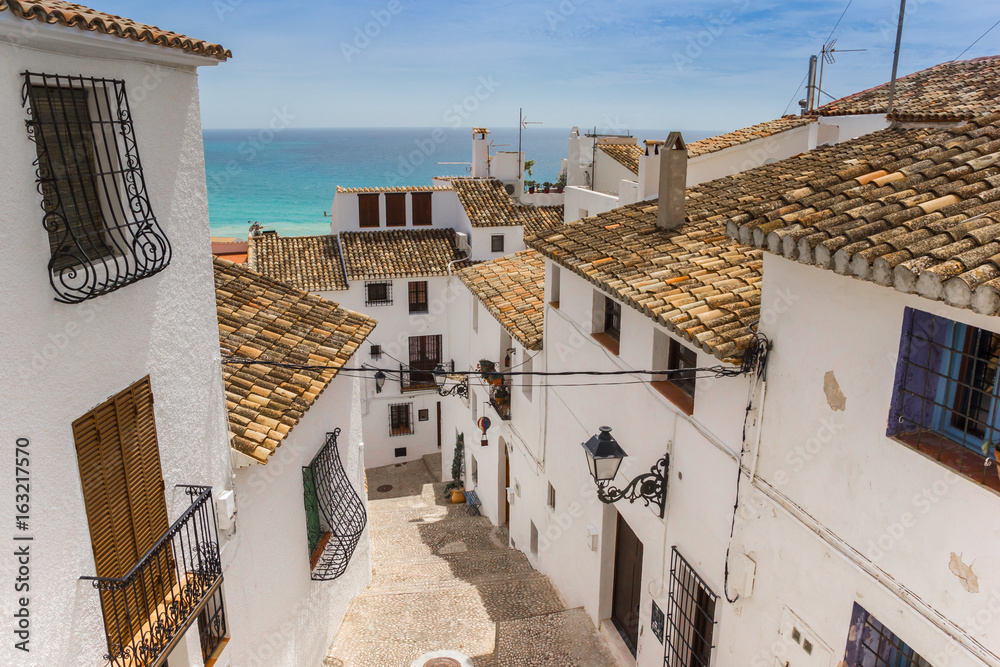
x: 650, y: 488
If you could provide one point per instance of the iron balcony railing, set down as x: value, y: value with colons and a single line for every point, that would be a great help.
x: 500, y: 397
x: 414, y: 378
x: 148, y: 610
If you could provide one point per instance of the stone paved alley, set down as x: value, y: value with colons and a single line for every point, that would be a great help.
x: 445, y: 580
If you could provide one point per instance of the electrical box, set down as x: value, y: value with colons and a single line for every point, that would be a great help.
x: 462, y: 241
x: 742, y: 571
x: 592, y: 537
x: 225, y: 510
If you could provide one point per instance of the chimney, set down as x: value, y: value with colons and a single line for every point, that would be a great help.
x: 673, y: 182
x: 480, y: 153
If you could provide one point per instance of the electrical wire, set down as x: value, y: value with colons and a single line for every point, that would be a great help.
x: 835, y: 26
x: 975, y: 42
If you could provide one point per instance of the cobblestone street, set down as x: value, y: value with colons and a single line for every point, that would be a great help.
x: 444, y: 580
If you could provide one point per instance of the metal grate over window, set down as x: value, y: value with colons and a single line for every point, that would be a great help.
x: 378, y: 293
x: 341, y: 514
x: 101, y: 229
x: 690, y: 617
x: 401, y: 419
x: 871, y: 644
x: 946, y: 400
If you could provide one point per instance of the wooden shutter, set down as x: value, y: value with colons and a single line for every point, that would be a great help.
x: 421, y: 202
x: 368, y: 210
x: 69, y: 176
x: 395, y: 210
x: 119, y: 460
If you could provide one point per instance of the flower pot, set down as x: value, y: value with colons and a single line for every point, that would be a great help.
x: 458, y: 496
x: 546, y: 190
x: 531, y: 190
x: 496, y: 382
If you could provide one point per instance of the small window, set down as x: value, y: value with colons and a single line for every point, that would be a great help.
x: 399, y: 452
x: 401, y: 419
x: 871, y: 643
x: 552, y: 496
x: 606, y: 319
x: 682, y: 358
x: 496, y: 242
x: 690, y: 616
x: 534, y: 539
x: 423, y: 415
x: 376, y: 351
x: 554, y: 287
x: 612, y: 318
x: 378, y: 293
x: 368, y: 210
x: 418, y: 296
x: 670, y: 355
x: 395, y: 209
x: 421, y: 203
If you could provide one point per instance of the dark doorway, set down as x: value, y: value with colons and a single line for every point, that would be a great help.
x: 628, y: 585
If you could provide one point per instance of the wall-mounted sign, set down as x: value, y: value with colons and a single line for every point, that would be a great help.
x: 656, y: 623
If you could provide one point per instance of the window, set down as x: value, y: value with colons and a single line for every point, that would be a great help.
x: 101, y: 229
x: 376, y: 351
x: 421, y: 202
x: 671, y: 355
x: 945, y: 395
x: 418, y: 296
x: 554, y: 288
x: 395, y: 209
x: 690, y: 617
x: 423, y: 415
x: 612, y: 318
x: 399, y: 452
x: 119, y: 459
x: 552, y: 496
x: 425, y: 355
x: 496, y: 242
x: 607, y: 321
x: 401, y: 419
x: 872, y: 644
x: 534, y: 539
x: 368, y: 210
x: 378, y: 293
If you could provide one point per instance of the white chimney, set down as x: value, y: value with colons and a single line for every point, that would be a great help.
x: 649, y: 170
x: 673, y: 182
x: 480, y: 153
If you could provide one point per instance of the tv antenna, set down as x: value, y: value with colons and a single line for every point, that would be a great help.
x: 826, y: 56
x: 522, y: 124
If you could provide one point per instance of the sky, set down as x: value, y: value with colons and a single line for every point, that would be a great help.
x: 690, y: 64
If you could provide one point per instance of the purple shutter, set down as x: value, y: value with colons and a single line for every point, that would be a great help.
x: 917, y: 372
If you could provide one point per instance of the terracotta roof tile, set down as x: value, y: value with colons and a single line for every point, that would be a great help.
x: 311, y: 263
x: 625, y: 154
x: 538, y: 218
x: 400, y: 253
x: 950, y: 91
x: 930, y: 224
x: 85, y: 18
x: 746, y: 135
x: 487, y: 204
x: 513, y: 290
x: 261, y: 318
x: 398, y: 188
x: 695, y: 281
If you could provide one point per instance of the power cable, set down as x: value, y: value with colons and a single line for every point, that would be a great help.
x: 975, y: 42
x: 835, y: 26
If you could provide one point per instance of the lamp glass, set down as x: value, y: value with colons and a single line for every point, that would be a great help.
x: 439, y: 375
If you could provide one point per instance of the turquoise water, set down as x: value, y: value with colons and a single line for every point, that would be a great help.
x: 287, y: 179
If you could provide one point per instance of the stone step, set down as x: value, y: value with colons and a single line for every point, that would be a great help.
x: 560, y: 639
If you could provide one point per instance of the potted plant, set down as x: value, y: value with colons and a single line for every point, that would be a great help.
x: 456, y: 486
x: 547, y: 186
x: 487, y: 371
x: 991, y: 447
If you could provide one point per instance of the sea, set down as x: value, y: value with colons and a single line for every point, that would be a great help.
x: 286, y: 179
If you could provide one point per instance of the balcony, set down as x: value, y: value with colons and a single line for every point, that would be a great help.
x: 500, y: 397
x: 175, y: 584
x: 417, y: 378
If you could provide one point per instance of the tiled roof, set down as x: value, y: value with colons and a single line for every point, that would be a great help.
x: 267, y: 320
x: 950, y: 91
x: 398, y: 188
x: 311, y: 263
x: 487, y: 204
x: 399, y: 253
x: 694, y: 281
x: 746, y: 135
x: 919, y: 211
x: 538, y: 218
x: 513, y: 290
x: 625, y: 154
x: 85, y: 18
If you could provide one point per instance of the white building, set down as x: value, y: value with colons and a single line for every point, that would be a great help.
x: 108, y: 305
x: 296, y: 436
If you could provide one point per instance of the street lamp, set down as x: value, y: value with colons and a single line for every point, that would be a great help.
x: 379, y: 381
x: 441, y: 377
x: 604, y: 456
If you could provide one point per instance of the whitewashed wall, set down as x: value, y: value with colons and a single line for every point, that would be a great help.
x: 277, y: 614
x: 63, y: 360
x: 344, y: 212
x: 841, y: 513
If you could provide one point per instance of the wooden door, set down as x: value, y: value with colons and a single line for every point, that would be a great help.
x: 439, y: 423
x: 628, y: 585
x: 506, y: 495
x: 425, y: 355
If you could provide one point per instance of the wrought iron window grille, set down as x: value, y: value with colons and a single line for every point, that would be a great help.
x: 378, y: 293
x: 418, y: 296
x: 946, y: 399
x: 101, y: 228
x: 400, y: 419
x: 690, y: 617
x: 871, y: 644
x: 341, y: 512
x: 413, y: 378
x: 167, y: 590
